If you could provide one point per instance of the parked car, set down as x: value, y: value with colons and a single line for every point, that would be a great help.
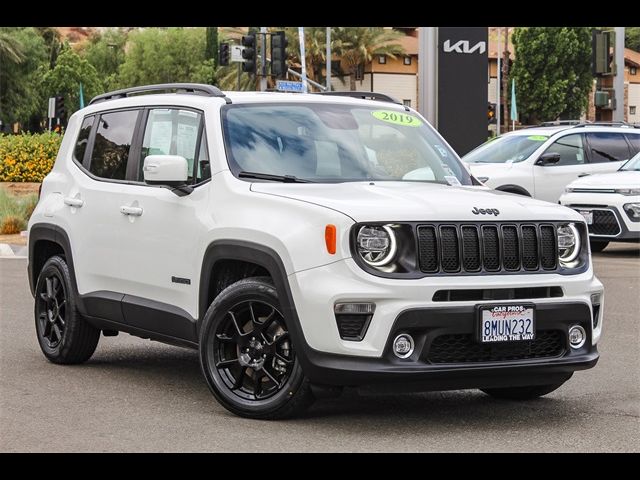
x: 610, y: 204
x: 302, y: 243
x: 540, y: 162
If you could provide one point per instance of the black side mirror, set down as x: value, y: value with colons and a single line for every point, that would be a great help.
x: 550, y: 158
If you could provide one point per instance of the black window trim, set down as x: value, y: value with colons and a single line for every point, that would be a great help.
x: 136, y: 144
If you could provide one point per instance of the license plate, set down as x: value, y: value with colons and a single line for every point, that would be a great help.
x: 506, y: 323
x: 588, y: 216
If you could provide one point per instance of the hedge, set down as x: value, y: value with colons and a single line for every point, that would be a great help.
x: 27, y: 157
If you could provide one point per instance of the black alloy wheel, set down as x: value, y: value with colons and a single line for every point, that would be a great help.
x: 51, y: 305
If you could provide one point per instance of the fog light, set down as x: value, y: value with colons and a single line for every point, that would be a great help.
x: 403, y: 345
x: 577, y: 336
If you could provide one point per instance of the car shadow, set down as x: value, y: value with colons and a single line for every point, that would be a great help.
x: 620, y: 250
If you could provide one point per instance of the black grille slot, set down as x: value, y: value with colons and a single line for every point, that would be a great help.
x: 461, y: 348
x: 450, y: 249
x: 529, y: 247
x: 604, y: 223
x: 491, y: 248
x: 470, y: 249
x: 548, y: 247
x: 428, y: 249
x: 352, y: 327
x: 466, y: 295
x: 510, y: 247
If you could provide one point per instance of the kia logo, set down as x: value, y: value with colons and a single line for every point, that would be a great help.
x: 462, y: 46
x: 485, y: 211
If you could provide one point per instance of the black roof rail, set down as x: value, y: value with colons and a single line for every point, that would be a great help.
x: 553, y: 123
x: 192, y: 88
x: 363, y: 95
x: 607, y: 124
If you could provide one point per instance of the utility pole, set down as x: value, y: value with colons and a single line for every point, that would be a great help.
x: 618, y: 80
x: 498, y: 82
x: 263, y: 67
x: 505, y: 78
x: 328, y: 55
x: 427, y: 73
x: 303, y: 59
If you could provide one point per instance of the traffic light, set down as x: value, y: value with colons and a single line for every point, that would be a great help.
x: 279, y: 54
x: 223, y: 58
x: 250, y: 53
x: 59, y: 110
x: 491, y: 113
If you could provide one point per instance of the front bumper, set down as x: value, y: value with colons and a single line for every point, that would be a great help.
x: 408, y: 306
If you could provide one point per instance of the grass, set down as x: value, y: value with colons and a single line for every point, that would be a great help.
x: 15, y: 211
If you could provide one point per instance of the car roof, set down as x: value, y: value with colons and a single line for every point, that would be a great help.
x: 583, y: 127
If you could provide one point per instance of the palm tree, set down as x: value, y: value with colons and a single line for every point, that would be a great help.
x: 10, y: 48
x: 315, y: 40
x: 358, y: 45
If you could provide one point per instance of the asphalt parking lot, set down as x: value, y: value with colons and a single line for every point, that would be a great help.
x: 137, y: 395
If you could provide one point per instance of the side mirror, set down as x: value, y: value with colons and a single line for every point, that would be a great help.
x: 550, y: 158
x: 169, y: 170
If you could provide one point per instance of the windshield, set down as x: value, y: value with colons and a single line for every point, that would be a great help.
x: 506, y: 149
x: 328, y: 143
x: 632, y: 165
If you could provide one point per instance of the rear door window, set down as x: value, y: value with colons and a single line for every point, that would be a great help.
x: 608, y: 147
x: 112, y: 143
x: 83, y: 139
x: 634, y: 140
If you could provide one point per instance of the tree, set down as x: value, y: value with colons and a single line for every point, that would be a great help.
x: 315, y: 48
x: 21, y: 100
x: 552, y: 71
x: 105, y: 52
x: 66, y: 76
x: 211, y: 48
x: 157, y: 55
x: 53, y: 41
x: 632, y: 38
x: 358, y: 45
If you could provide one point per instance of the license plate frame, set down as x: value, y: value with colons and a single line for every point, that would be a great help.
x: 588, y: 216
x: 505, y: 329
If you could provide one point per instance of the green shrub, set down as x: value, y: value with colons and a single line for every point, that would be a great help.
x: 27, y: 158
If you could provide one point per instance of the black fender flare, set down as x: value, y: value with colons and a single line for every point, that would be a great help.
x: 267, y: 258
x: 510, y: 188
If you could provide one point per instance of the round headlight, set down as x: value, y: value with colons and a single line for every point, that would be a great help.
x: 376, y: 244
x: 568, y: 242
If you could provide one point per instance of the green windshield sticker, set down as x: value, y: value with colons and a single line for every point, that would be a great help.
x: 397, y: 118
x: 537, y: 138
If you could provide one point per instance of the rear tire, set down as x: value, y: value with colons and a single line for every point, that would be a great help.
x: 247, y: 355
x: 64, y: 336
x: 521, y: 393
x: 598, y: 246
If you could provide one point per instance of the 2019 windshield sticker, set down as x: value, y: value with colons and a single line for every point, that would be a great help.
x: 537, y: 138
x: 397, y: 118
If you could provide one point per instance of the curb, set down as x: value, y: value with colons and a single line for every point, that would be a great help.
x: 12, y: 251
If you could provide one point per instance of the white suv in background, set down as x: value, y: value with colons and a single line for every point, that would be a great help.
x: 541, y: 161
x: 610, y: 204
x: 303, y: 243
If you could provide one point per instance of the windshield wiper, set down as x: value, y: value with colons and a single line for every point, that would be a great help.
x: 275, y: 178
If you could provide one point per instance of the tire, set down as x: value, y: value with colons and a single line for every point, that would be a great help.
x: 598, y: 246
x: 522, y: 393
x: 247, y: 355
x: 64, y: 336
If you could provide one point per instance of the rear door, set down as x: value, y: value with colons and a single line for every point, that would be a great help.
x: 607, y: 151
x: 551, y: 180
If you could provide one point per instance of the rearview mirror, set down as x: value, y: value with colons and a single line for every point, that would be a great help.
x: 550, y: 158
x: 169, y: 170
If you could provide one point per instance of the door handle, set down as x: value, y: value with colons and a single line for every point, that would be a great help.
x: 132, y: 211
x: 584, y: 174
x: 73, y: 202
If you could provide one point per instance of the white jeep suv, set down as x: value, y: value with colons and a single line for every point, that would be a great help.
x: 304, y: 243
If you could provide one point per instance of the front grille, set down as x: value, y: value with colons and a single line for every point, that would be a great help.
x: 487, y: 248
x: 462, y: 348
x: 476, y: 294
x: 604, y: 223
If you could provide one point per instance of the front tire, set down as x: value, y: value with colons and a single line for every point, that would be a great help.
x: 64, y: 336
x: 598, y: 246
x: 521, y: 393
x: 247, y: 355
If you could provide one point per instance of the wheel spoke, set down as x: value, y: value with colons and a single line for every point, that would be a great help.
x: 239, y: 379
x: 253, y: 315
x: 49, y: 285
x: 60, y: 320
x: 283, y: 336
x: 224, y: 338
x: 57, y: 331
x: 226, y: 363
x: 271, y: 377
x: 42, y: 319
x: 235, y: 323
x: 257, y: 386
x: 286, y: 360
x: 44, y: 296
x: 56, y: 285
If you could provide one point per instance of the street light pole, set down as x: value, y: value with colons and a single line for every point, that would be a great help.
x: 428, y: 75
x: 328, y: 54
x: 618, y: 80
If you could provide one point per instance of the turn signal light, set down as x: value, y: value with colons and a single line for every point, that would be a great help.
x: 330, y: 238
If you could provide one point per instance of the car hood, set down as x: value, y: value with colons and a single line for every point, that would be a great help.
x: 409, y: 201
x: 603, y: 181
